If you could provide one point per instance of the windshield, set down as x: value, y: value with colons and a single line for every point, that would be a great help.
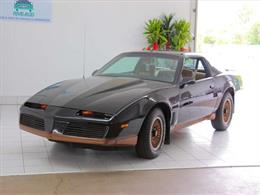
x: 158, y: 67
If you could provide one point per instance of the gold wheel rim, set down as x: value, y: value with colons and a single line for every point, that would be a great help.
x: 156, y: 134
x: 227, y: 109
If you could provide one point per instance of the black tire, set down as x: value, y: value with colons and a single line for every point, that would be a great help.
x: 152, y: 135
x: 224, y: 113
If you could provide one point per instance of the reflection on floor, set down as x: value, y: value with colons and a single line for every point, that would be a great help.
x: 197, y: 146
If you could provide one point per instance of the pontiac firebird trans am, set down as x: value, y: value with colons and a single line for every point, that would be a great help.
x: 134, y: 100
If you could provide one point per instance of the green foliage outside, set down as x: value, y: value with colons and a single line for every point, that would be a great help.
x: 244, y: 29
x: 254, y: 34
x: 208, y: 39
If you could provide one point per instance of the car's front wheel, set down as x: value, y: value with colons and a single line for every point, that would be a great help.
x: 224, y: 113
x: 151, y: 137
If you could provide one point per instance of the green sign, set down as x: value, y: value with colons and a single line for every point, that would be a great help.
x: 23, y: 8
x: 36, y: 10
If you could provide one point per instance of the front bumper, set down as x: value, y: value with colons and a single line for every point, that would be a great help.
x: 55, y: 136
x: 63, y: 125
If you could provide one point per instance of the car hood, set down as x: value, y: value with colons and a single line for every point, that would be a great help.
x: 96, y: 93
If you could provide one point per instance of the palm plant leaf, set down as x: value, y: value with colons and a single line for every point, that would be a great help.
x: 154, y: 32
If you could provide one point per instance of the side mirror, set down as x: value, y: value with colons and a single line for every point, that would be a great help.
x: 93, y: 73
x: 185, y: 83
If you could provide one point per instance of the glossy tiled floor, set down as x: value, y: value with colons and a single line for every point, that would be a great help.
x: 197, y: 146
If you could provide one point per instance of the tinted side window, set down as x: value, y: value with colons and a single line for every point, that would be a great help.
x: 189, y: 68
x: 190, y: 63
x: 200, y: 72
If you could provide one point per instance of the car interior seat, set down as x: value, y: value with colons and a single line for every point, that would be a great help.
x: 187, y: 75
x: 200, y: 75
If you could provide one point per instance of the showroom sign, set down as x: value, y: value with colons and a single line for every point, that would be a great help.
x: 37, y: 10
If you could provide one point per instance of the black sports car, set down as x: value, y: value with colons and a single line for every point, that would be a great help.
x: 134, y: 100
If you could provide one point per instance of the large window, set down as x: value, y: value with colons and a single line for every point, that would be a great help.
x: 123, y: 65
x: 148, y: 66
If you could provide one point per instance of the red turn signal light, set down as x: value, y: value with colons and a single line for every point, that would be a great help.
x: 86, y: 113
x: 43, y: 106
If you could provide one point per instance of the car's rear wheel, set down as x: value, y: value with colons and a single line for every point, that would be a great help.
x: 152, y: 134
x: 224, y: 113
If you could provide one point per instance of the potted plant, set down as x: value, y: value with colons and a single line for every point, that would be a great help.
x: 154, y: 34
x: 168, y: 29
x: 181, y: 36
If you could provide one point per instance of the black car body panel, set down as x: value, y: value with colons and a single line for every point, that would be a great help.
x: 123, y: 101
x: 97, y: 93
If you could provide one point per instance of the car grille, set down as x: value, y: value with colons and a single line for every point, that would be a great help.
x: 81, y: 129
x: 32, y: 121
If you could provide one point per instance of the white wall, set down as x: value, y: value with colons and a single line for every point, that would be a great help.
x: 34, y: 55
